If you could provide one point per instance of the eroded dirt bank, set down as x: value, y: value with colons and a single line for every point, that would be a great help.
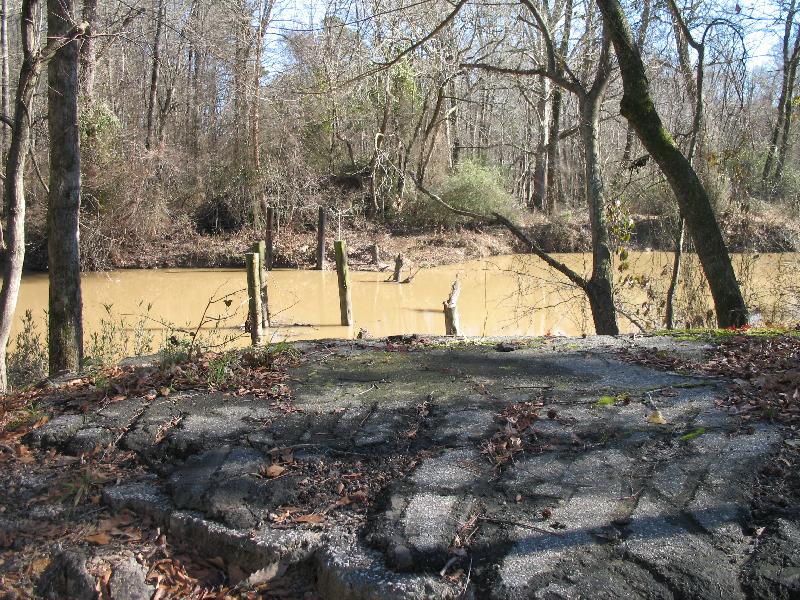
x: 295, y: 244
x: 407, y: 468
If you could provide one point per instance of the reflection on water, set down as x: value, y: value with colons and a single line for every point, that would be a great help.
x: 507, y: 295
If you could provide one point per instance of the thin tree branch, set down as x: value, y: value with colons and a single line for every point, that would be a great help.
x: 497, y: 218
x: 411, y: 48
x: 536, y: 72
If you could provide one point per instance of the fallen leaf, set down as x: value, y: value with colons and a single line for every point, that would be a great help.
x: 38, y: 566
x: 266, y: 574
x: 274, y: 471
x: 100, y: 538
x: 656, y: 418
x: 312, y: 518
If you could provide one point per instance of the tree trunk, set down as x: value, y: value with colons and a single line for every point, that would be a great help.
x: 154, y: 72
x: 64, y: 199
x: 600, y: 289
x: 5, y: 96
x: 676, y: 275
x: 788, y: 110
x: 776, y: 131
x: 5, y: 99
x: 637, y: 106
x: 641, y: 38
x: 265, y: 14
x: 88, y: 53
x: 694, y: 83
x: 13, y: 185
x: 553, y: 154
x: 540, y: 168
x: 789, y: 68
x: 242, y: 80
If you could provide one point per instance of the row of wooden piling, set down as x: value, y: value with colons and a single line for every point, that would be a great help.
x: 259, y: 262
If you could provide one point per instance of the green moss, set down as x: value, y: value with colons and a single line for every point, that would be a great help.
x: 605, y: 401
x: 693, y: 434
x: 703, y: 334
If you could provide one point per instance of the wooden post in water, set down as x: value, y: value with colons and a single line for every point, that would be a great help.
x: 399, y: 263
x: 254, y: 297
x: 270, y: 230
x: 452, y: 322
x: 345, y: 301
x: 260, y: 248
x: 321, y: 225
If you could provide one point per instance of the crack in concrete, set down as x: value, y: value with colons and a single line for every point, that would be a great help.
x: 622, y: 490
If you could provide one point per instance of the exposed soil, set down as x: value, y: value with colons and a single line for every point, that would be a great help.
x: 295, y: 246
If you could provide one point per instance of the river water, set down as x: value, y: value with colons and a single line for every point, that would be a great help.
x: 506, y: 295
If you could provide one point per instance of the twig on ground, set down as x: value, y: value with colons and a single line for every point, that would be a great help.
x: 518, y: 524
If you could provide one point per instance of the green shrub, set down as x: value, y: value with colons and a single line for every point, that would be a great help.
x: 27, y: 364
x: 219, y: 368
x: 175, y: 349
x: 117, y: 338
x: 473, y: 187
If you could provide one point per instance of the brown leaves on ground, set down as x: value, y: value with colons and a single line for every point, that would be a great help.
x: 332, y: 489
x: 515, y: 420
x: 52, y: 500
x: 766, y: 375
x: 764, y: 371
x: 260, y: 374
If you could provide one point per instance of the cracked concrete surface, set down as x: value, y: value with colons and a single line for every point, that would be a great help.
x: 600, y: 504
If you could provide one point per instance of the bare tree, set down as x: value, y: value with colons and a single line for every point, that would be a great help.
x: 790, y: 55
x: 34, y: 58
x: 88, y: 51
x: 599, y: 288
x: 5, y: 94
x: 65, y: 310
x: 637, y: 106
x: 152, y: 98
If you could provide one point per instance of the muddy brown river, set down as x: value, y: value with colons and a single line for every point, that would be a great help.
x: 506, y: 295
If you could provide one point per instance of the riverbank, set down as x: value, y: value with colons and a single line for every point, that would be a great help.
x: 413, y: 468
x: 295, y: 244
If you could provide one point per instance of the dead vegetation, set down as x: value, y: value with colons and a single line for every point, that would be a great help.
x: 764, y: 371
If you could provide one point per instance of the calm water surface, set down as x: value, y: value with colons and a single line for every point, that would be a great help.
x: 506, y: 295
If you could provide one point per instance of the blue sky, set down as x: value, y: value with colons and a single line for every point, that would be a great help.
x: 299, y: 15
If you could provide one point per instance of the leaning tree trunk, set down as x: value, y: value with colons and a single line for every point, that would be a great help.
x: 637, y: 106
x: 64, y: 198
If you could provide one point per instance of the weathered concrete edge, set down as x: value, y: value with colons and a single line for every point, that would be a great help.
x: 345, y: 569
